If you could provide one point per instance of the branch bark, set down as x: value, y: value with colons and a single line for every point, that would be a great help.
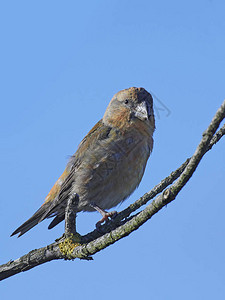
x: 71, y: 246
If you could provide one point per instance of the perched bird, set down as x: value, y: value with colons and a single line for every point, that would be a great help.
x: 109, y: 162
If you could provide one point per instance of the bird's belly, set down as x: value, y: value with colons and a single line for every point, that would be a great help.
x: 112, y: 179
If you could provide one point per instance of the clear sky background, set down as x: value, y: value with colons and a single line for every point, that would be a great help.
x: 60, y: 64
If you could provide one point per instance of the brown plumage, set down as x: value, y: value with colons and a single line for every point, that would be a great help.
x: 109, y: 162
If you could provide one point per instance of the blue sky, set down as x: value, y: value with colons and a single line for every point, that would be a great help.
x: 60, y: 64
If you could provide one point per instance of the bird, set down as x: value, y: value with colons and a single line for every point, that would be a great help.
x: 109, y: 163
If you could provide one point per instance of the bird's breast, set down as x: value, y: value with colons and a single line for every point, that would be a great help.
x: 113, y: 170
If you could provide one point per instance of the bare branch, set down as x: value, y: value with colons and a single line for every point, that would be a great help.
x: 122, y: 225
x: 32, y: 259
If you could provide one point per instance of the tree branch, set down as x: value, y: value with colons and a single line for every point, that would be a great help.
x: 71, y: 247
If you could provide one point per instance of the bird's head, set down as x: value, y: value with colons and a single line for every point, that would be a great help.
x: 130, y: 105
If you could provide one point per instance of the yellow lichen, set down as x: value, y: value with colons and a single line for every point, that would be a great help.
x: 67, y: 246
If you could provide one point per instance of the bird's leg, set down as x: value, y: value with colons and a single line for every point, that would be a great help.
x: 105, y: 215
x: 70, y: 215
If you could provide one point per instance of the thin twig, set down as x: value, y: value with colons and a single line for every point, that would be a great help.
x: 150, y: 195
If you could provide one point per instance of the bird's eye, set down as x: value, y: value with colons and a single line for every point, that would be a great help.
x: 126, y: 101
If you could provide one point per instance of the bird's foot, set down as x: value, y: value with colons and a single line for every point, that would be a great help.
x: 105, y: 215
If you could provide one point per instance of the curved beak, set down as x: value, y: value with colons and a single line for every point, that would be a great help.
x: 142, y: 111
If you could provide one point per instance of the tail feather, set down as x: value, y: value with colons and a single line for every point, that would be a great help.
x: 56, y: 221
x: 34, y: 220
